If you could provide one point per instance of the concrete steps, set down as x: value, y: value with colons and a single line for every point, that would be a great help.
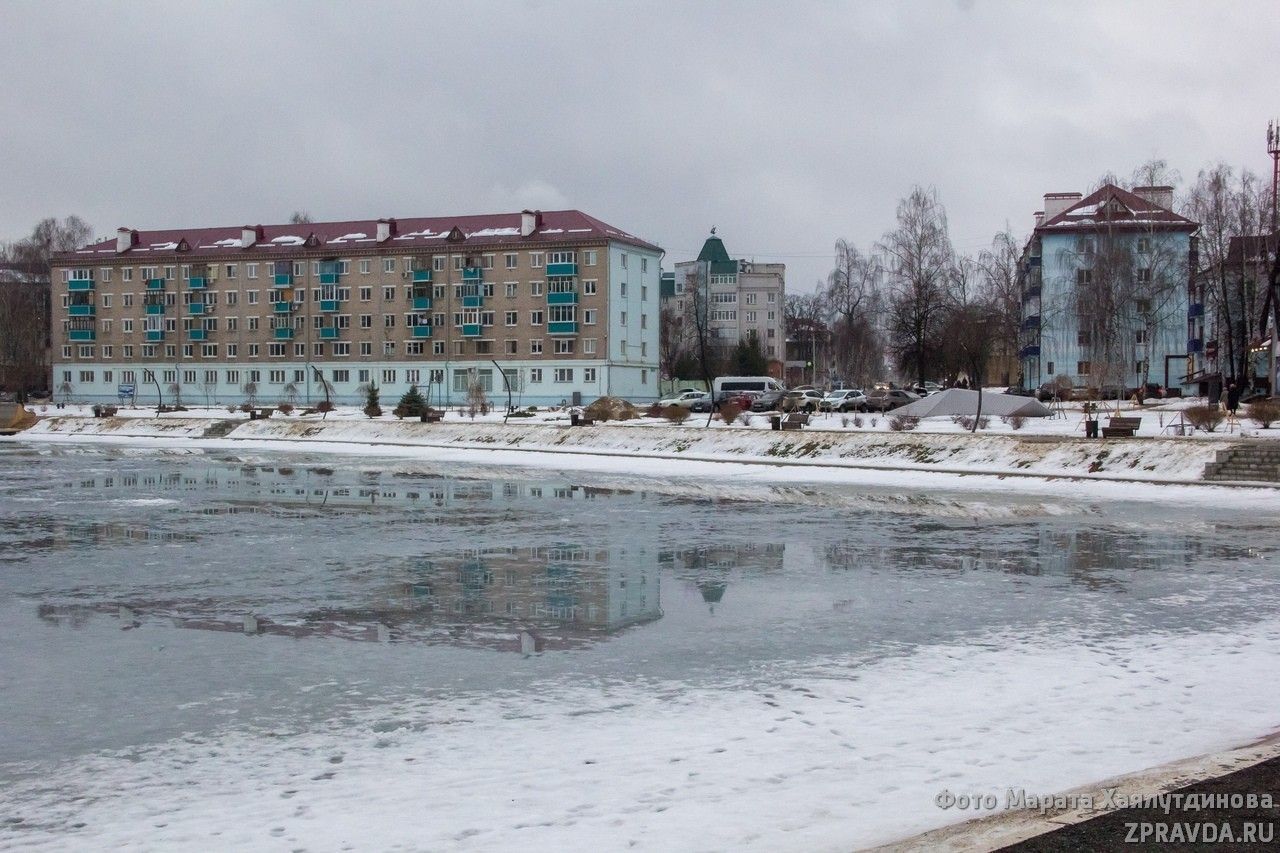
x: 1253, y: 461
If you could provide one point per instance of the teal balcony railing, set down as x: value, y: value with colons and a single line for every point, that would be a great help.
x: 562, y: 328
x: 563, y: 297
x: 565, y: 269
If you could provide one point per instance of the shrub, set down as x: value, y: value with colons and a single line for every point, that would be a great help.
x: 233, y: 408
x: 966, y: 421
x: 411, y: 405
x: 372, y: 405
x: 324, y: 407
x: 1015, y: 421
x: 246, y: 407
x: 745, y: 418
x: 285, y: 408
x: 676, y: 414
x: 1203, y: 417
x: 654, y: 411
x: 902, y: 423
x: 1265, y: 412
x: 729, y: 412
x: 857, y: 421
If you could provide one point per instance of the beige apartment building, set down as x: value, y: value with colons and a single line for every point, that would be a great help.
x: 557, y: 305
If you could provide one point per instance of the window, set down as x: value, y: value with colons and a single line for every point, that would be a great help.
x: 127, y: 300
x: 622, y: 289
x: 388, y: 265
x: 624, y: 260
x: 366, y: 347
x: 366, y: 294
x: 535, y: 318
x: 484, y: 347
x: 1083, y: 368
x: 1084, y: 277
x: 128, y: 350
x: 1144, y: 275
x: 86, y: 351
x: 66, y: 351
x: 588, y: 374
x: 126, y: 325
x: 437, y: 347
x: 1049, y: 368
x: 535, y: 288
x: 251, y: 297
x: 563, y: 346
x: 389, y: 348
x: 86, y: 376
x: 624, y: 317
x: 250, y: 271
x: 389, y: 293
x: 362, y: 375
x: 107, y: 353
x: 437, y: 263
x: 511, y: 289
x: 388, y: 321
x: 589, y: 316
x: 276, y: 350
x: 644, y: 264
x: 106, y: 274
x: 535, y: 374
x: 644, y: 377
x: 589, y: 257
x: 563, y: 374
x: 1144, y: 245
x: 511, y: 347
x: 1140, y: 337
x: 276, y: 376
x: 366, y: 321
x: 589, y: 287
x: 589, y: 346
x: 1082, y: 338
x: 1084, y: 245
x: 512, y: 258
x: 535, y: 260
x: 230, y: 270
x: 535, y: 346
x: 513, y: 317
x: 751, y: 318
x: 366, y: 266
x: 644, y: 321
x: 126, y: 274
x: 486, y: 262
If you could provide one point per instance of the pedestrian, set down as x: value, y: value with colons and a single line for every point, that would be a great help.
x: 1233, y: 398
x: 1222, y: 398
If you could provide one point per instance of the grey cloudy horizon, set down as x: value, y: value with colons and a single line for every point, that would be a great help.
x: 786, y: 126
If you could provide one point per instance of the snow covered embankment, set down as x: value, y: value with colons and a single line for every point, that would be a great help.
x: 1141, y: 459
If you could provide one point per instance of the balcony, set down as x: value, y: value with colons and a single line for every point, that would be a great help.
x: 328, y: 278
x: 471, y: 330
x: 1031, y: 292
x: 1032, y: 351
x: 154, y: 335
x: 155, y: 284
x: 562, y: 328
x: 196, y: 309
x: 283, y: 279
x: 199, y: 334
x: 567, y: 269
x: 154, y: 308
x: 282, y: 333
x: 329, y: 305
x: 422, y: 331
x: 328, y: 333
x: 81, y: 334
x: 80, y: 284
x: 564, y: 297
x: 1195, y: 345
x: 83, y: 309
x: 1196, y: 309
x: 422, y: 275
x: 472, y: 273
x: 1032, y: 322
x: 197, y: 282
x: 281, y: 307
x: 422, y: 303
x: 472, y: 301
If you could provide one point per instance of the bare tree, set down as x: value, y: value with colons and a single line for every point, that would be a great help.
x: 853, y: 296
x: 805, y: 318
x: 300, y: 217
x: 920, y: 260
x: 1002, y: 293
x: 671, y: 339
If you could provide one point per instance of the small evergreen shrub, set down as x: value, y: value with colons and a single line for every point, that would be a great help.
x: 411, y: 405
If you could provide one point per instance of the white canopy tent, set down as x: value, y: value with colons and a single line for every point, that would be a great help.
x: 959, y: 401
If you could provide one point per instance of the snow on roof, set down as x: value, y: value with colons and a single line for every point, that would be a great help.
x: 1115, y: 206
x: 487, y: 230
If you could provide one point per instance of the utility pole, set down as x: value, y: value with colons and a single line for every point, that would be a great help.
x: 1272, y: 242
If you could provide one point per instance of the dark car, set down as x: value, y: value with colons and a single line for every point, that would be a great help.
x: 1051, y: 390
x: 882, y: 400
x: 1018, y: 391
x: 768, y: 401
x: 740, y: 399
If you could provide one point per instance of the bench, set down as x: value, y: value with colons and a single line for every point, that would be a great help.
x: 430, y: 417
x: 1121, y: 427
x: 795, y: 420
x: 260, y: 414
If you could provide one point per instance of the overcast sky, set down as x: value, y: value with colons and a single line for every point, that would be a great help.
x: 787, y: 125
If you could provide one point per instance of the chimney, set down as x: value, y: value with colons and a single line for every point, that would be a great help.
x: 1039, y: 214
x: 249, y: 235
x: 126, y: 239
x: 1055, y: 203
x: 386, y: 229
x: 529, y: 222
x: 1159, y: 196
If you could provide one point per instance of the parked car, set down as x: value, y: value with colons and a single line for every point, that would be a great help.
x: 740, y: 399
x: 768, y: 401
x: 1051, y: 390
x: 844, y: 400
x: 800, y: 401
x: 1018, y: 391
x: 882, y: 400
x: 685, y: 399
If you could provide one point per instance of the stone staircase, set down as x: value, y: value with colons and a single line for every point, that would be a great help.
x: 220, y: 428
x: 1257, y: 461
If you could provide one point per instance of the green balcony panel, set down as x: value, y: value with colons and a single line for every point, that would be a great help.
x: 82, y: 334
x: 329, y: 305
x: 199, y: 334
x: 195, y: 308
x: 78, y: 284
x: 472, y: 273
x: 422, y: 303
x: 282, y: 307
x: 154, y: 335
x: 283, y: 333
x: 471, y: 330
x: 422, y: 275
x: 562, y: 298
x: 284, y: 279
x: 155, y: 284
x: 472, y: 301
x: 197, y: 282
x: 562, y: 328
x: 328, y: 333
x: 328, y: 278
x: 155, y: 308
x: 85, y: 310
x: 422, y: 331
x: 562, y: 269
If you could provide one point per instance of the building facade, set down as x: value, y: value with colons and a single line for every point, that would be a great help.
x: 560, y: 305
x: 1109, y: 297
x: 744, y: 300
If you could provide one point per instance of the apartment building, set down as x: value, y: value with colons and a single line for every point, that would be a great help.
x: 1109, y: 297
x: 558, y: 305
x: 744, y: 299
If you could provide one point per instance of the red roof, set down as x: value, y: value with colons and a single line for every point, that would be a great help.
x: 1114, y: 206
x: 483, y: 231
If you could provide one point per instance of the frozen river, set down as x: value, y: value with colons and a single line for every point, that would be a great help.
x: 319, y: 652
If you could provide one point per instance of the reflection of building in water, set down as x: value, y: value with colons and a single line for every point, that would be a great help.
x: 708, y: 568
x: 511, y: 599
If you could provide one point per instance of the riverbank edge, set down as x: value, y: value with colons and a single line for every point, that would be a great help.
x: 1033, y: 457
x: 1011, y: 827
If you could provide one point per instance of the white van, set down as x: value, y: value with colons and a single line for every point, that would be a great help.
x: 747, y: 384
